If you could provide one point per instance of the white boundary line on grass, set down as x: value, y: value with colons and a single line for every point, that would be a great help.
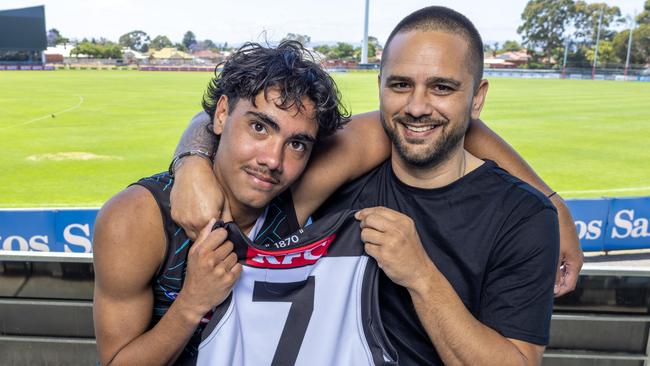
x: 613, y: 190
x: 76, y: 106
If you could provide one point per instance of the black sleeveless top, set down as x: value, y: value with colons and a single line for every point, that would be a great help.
x: 280, y: 222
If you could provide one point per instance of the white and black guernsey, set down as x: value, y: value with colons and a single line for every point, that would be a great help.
x: 308, y: 299
x: 280, y: 221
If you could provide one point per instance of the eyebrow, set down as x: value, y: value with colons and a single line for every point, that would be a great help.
x: 430, y: 81
x: 305, y: 137
x: 266, y: 119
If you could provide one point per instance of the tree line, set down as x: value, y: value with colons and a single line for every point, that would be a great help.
x: 550, y: 26
x: 136, y: 40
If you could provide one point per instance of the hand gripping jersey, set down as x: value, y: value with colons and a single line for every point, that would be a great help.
x: 309, y: 299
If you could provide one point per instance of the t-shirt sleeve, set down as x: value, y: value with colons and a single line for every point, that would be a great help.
x: 517, y: 298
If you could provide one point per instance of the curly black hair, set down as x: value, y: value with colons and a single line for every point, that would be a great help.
x: 291, y: 69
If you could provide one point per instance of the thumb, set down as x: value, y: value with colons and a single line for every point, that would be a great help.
x: 205, y: 231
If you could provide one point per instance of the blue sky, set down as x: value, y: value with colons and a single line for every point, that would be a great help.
x: 237, y: 21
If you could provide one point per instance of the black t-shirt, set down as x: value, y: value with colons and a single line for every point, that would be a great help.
x: 495, y: 239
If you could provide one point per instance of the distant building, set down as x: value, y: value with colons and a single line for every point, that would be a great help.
x: 517, y: 58
x: 171, y: 54
x: 131, y: 56
x: 58, y: 53
x: 498, y: 63
x: 208, y: 55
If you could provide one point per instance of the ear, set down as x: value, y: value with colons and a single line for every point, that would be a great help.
x: 220, y: 115
x: 479, y: 99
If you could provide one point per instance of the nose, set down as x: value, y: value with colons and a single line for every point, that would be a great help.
x: 272, y: 155
x: 419, y: 104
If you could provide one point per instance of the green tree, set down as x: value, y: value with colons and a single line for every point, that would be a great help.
x: 586, y: 17
x: 606, y: 53
x: 302, y: 38
x: 189, y: 39
x: 136, y: 40
x: 98, y: 50
x: 640, y: 50
x: 373, y: 46
x: 544, y: 24
x: 324, y: 49
x: 160, y: 42
x: 54, y: 37
x: 342, y: 51
x: 510, y: 46
x: 644, y: 17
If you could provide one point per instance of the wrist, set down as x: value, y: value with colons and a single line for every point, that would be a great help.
x: 189, y: 313
x: 182, y: 158
x: 423, y: 280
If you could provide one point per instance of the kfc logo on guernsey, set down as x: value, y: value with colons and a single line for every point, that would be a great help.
x: 290, y: 258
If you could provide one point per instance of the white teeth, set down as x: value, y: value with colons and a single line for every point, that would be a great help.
x: 420, y: 129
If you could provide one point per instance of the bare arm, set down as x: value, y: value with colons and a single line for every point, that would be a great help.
x: 128, y: 250
x: 196, y: 195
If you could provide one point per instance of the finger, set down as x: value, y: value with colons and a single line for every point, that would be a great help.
x: 377, y: 222
x: 236, y: 270
x: 230, y: 261
x: 214, y: 240
x: 223, y: 251
x: 571, y: 277
x: 378, y: 210
x: 372, y: 250
x: 558, y: 278
x: 203, y: 234
x: 372, y: 236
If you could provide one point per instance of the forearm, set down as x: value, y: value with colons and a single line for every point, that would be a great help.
x: 197, y: 136
x: 459, y: 338
x: 484, y: 143
x: 162, y: 344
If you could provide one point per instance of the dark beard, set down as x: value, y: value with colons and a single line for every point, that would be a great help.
x: 437, y: 154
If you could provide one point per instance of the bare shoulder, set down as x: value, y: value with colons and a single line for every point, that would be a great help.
x: 129, y: 241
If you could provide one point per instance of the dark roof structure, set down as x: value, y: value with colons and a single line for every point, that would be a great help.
x: 23, y: 29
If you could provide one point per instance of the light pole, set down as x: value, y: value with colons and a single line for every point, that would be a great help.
x: 566, y: 52
x: 600, y: 21
x: 629, y: 48
x: 364, y: 46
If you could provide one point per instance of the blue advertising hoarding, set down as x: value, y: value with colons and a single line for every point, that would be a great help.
x: 47, y: 230
x: 603, y: 225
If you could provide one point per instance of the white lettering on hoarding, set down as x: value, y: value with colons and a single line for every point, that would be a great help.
x: 77, y: 240
x: 8, y: 243
x: 38, y: 243
x: 626, y: 226
x: 589, y: 230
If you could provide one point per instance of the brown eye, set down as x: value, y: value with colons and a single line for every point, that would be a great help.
x: 298, y: 146
x: 258, y: 127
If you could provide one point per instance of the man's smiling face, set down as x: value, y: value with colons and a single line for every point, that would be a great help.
x: 426, y: 91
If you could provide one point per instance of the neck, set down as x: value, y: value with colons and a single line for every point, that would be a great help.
x: 459, y: 163
x: 242, y: 215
